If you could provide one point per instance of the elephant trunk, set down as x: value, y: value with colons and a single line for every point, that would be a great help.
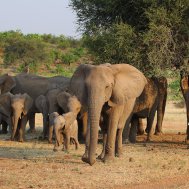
x: 50, y: 132
x: 15, y: 119
x: 95, y: 107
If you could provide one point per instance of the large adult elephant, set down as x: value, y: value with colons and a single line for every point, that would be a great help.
x: 184, y: 84
x: 33, y: 85
x: 152, y: 99
x: 119, y: 85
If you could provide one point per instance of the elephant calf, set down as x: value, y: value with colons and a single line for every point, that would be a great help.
x: 14, y: 109
x: 66, y: 128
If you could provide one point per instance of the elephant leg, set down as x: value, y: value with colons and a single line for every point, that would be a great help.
x: 150, y: 120
x: 58, y: 140
x: 101, y: 156
x: 133, y: 129
x: 50, y: 133
x: 67, y: 143
x: 87, y: 143
x: 31, y: 118
x: 160, y: 113
x: 84, y: 120
x: 45, y: 126
x: 111, y: 134
x: 4, y: 128
x: 140, y: 130
x: 126, y: 130
x: 118, y: 149
x: 22, y: 129
x: 76, y: 143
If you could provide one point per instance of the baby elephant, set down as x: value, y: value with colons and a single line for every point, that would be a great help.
x: 66, y: 129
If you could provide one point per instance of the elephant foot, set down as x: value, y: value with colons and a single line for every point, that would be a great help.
x: 85, y: 158
x: 108, y: 159
x: 50, y: 141
x: 119, y: 154
x: 187, y: 141
x: 132, y: 140
x: 147, y: 130
x: 149, y: 139
x: 140, y: 132
x: 101, y: 156
x: 66, y: 151
x: 126, y: 141
x: 31, y: 130
x: 21, y: 140
x: 158, y: 133
x: 55, y: 149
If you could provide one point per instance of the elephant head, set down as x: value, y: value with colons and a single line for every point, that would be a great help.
x: 95, y: 85
x: 7, y: 83
x: 68, y: 102
x: 20, y: 105
x: 52, y: 100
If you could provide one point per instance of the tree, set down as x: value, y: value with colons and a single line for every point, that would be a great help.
x: 148, y: 34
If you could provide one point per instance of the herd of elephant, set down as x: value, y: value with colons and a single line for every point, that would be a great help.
x: 112, y: 97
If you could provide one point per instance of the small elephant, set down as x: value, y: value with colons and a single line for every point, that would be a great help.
x: 184, y: 84
x: 67, y: 103
x: 66, y: 128
x: 47, y: 104
x: 15, y: 108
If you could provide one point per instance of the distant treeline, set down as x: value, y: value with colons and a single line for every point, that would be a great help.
x: 35, y: 50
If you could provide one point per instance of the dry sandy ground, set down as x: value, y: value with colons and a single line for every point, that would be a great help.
x: 163, y: 163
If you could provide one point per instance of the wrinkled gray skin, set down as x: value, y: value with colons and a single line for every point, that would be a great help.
x: 119, y: 85
x: 66, y: 128
x: 16, y: 108
x: 33, y: 85
x: 46, y: 104
x: 67, y: 103
x: 184, y: 84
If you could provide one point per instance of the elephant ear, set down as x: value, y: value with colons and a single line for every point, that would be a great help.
x: 5, y: 104
x: 41, y: 103
x: 7, y: 83
x: 27, y: 104
x: 129, y: 83
x: 77, y: 83
x: 62, y: 100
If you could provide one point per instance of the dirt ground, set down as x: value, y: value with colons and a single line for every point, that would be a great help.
x: 161, y: 164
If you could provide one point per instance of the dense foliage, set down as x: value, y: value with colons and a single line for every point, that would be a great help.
x: 36, y: 51
x: 152, y: 35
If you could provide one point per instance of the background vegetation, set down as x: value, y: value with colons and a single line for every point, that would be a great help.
x: 41, y: 54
